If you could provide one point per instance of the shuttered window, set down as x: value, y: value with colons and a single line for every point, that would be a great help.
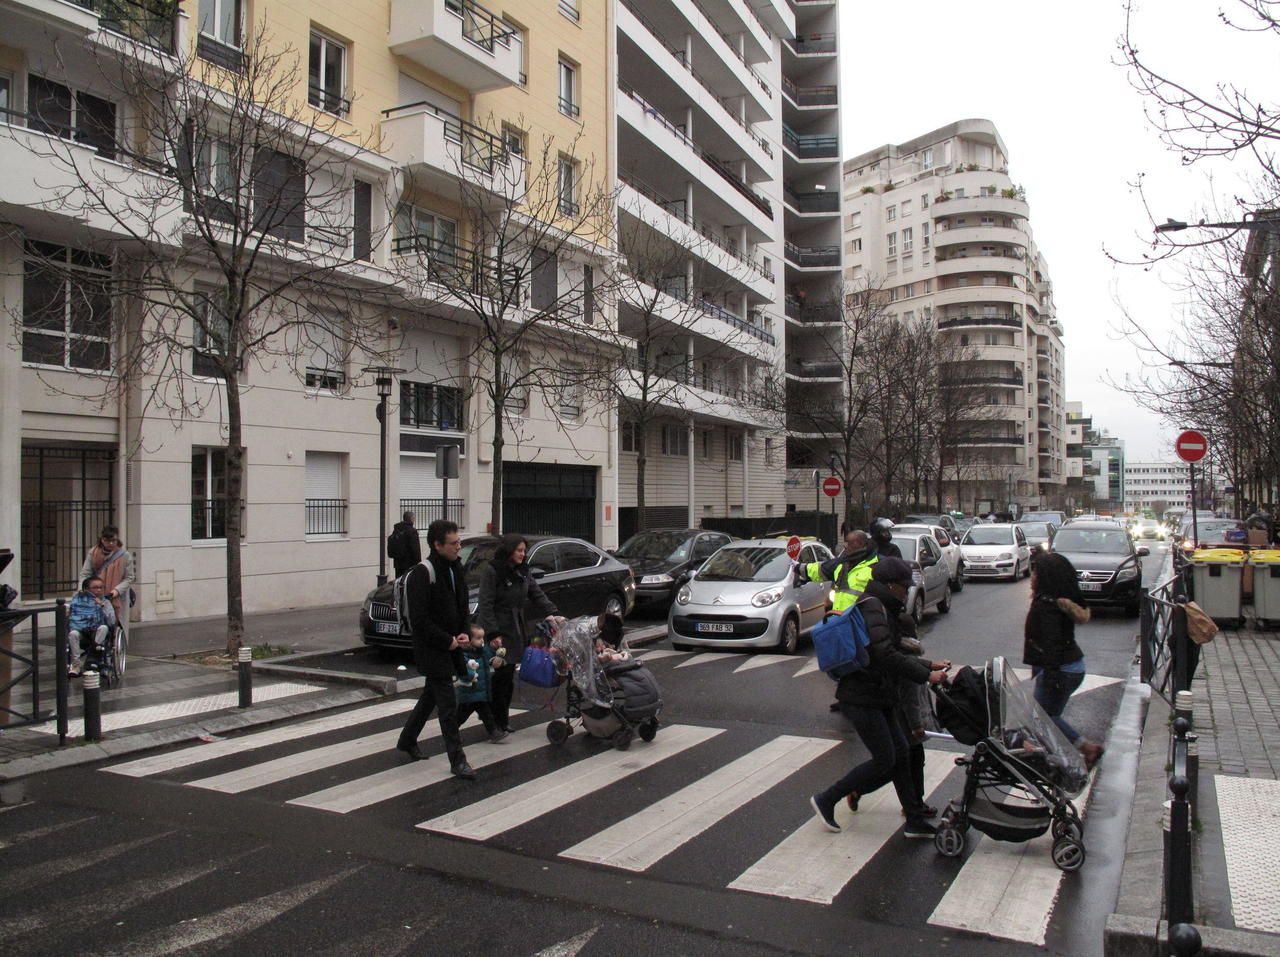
x: 326, y: 505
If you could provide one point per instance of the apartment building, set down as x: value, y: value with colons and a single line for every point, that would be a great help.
x: 1156, y: 485
x: 729, y: 203
x: 438, y: 95
x: 938, y: 226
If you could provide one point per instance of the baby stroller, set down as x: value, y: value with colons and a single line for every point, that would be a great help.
x: 1022, y: 773
x: 614, y: 700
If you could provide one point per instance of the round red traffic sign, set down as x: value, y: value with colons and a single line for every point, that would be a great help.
x: 793, y: 547
x: 831, y: 486
x: 1191, y: 446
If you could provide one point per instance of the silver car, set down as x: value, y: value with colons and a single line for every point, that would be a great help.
x: 745, y: 596
x: 930, y: 576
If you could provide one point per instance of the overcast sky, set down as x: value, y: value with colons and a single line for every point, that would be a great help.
x: 1077, y: 138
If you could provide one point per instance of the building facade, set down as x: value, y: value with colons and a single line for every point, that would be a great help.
x: 1156, y: 486
x: 940, y: 229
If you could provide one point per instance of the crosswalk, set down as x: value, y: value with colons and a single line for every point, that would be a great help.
x: 665, y: 806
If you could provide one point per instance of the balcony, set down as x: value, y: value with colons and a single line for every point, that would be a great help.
x: 458, y: 39
x: 75, y: 18
x: 676, y: 297
x: 1000, y: 205
x: 979, y: 379
x: 440, y: 149
x: 457, y: 266
x: 819, y: 314
x: 959, y: 265
x: 817, y: 202
x: 813, y: 257
x: 815, y: 369
x: 965, y: 322
x: 810, y: 146
x: 977, y: 234
x: 979, y: 295
x: 991, y: 440
x: 1043, y: 354
x: 1042, y: 401
x: 809, y: 96
x: 812, y: 44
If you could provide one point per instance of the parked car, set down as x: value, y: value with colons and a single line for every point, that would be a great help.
x: 660, y: 556
x: 1106, y: 560
x: 950, y: 546
x: 1039, y: 533
x: 1215, y: 533
x: 995, y: 551
x: 1051, y: 516
x: 930, y: 577
x: 745, y: 596
x: 578, y: 577
x: 932, y: 518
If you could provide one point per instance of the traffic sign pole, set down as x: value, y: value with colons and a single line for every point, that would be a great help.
x: 1191, y: 446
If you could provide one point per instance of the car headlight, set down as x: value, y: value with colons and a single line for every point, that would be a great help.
x: 763, y: 599
x: 684, y: 596
x: 656, y: 580
x: 1128, y: 573
x: 1004, y: 556
x: 1044, y: 546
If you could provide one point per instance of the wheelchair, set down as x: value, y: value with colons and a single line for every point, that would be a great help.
x: 111, y: 659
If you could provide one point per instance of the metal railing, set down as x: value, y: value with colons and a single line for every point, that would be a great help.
x: 102, y: 141
x: 809, y: 95
x: 812, y: 43
x: 569, y: 108
x: 429, y: 509
x: 733, y: 49
x: 209, y: 519
x: 327, y: 100
x: 995, y: 380
x: 480, y: 25
x: 807, y: 257
x: 810, y: 146
x: 823, y: 312
x: 1166, y: 654
x: 962, y: 321
x: 326, y: 516
x: 220, y: 54
x: 481, y: 149
x: 816, y: 368
x: 459, y: 266
x: 150, y: 22
x: 27, y: 679
x: 815, y: 202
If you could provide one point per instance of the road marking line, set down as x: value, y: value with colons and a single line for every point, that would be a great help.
x: 706, y: 656
x: 1090, y: 682
x: 644, y: 838
x: 659, y: 653
x: 385, y: 785
x: 37, y: 833
x: 500, y: 813
x: 1006, y: 890
x: 759, y: 661
x: 570, y: 947
x: 1249, y: 809
x: 812, y: 864
x: 158, y: 763
x: 57, y: 869
x: 809, y: 668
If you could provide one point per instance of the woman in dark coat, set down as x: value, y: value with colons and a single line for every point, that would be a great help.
x: 506, y: 588
x: 1049, y: 643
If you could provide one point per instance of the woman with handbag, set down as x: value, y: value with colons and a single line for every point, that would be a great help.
x: 111, y: 561
x: 507, y: 588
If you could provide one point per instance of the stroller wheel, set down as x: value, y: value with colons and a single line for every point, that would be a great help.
x: 622, y: 739
x: 1068, y: 854
x: 649, y: 730
x: 1066, y: 827
x: 558, y: 732
x: 949, y: 841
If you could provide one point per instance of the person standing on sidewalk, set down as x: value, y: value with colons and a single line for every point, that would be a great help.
x: 111, y: 561
x: 1049, y: 643
x: 507, y: 587
x: 404, y: 547
x: 437, y: 598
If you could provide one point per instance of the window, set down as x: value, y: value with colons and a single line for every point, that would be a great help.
x: 855, y: 246
x: 927, y: 160
x: 906, y: 207
x: 960, y: 193
x: 924, y: 200
x: 570, y: 391
x: 71, y: 115
x: 208, y: 494
x: 575, y: 556
x: 211, y: 336
x: 631, y: 438
x: 909, y: 316
x: 327, y: 75
x: 513, y: 139
x: 568, y: 74
x: 908, y: 242
x: 6, y: 91
x: 517, y: 368
x: 66, y: 308
x: 425, y: 405
x: 326, y: 505
x: 675, y: 441
x: 890, y: 213
x: 327, y: 364
x: 588, y: 295
x: 705, y: 443
x: 567, y: 186
x: 544, y: 280
x: 420, y: 230
x: 924, y: 236
x: 987, y: 191
x: 569, y: 8
x: 891, y: 244
x: 280, y: 195
x: 519, y: 36
x: 362, y: 221
x: 735, y: 447
x: 217, y: 181
x: 220, y: 20
x: 855, y: 221
x: 910, y: 290
x: 544, y: 559
x: 769, y: 453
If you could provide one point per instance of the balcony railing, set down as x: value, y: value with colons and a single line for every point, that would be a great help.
x: 990, y: 380
x: 328, y: 100
x: 797, y: 310
x: 809, y: 95
x: 810, y: 146
x: 808, y: 257
x: 992, y: 440
x: 816, y: 368
x: 733, y: 47
x: 147, y: 21
x: 458, y: 266
x: 959, y: 322
x: 480, y: 149
x: 812, y: 43
x: 815, y: 202
x: 427, y: 510
x: 480, y: 25
x: 326, y: 516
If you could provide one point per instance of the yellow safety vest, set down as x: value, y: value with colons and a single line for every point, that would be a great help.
x: 848, y: 586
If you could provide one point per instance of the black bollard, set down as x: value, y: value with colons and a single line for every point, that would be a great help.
x: 92, y: 706
x: 63, y: 684
x: 1184, y: 940
x: 1178, y: 897
x: 245, y: 666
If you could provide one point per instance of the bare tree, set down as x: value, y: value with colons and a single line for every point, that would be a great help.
x: 223, y: 237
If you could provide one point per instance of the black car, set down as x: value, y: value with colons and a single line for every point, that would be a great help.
x: 660, y: 556
x: 578, y: 577
x: 1107, y: 563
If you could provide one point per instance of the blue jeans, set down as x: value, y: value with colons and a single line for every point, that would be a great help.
x: 882, y: 732
x: 1053, y: 689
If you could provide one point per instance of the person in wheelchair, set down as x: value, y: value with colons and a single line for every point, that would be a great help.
x: 90, y: 619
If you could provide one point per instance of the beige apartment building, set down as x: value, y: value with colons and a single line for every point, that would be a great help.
x: 445, y: 89
x: 940, y: 225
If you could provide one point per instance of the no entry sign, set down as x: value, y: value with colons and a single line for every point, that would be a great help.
x: 1191, y: 446
x: 793, y: 547
x: 831, y: 486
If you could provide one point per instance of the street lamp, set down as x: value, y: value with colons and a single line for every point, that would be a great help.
x: 384, y: 377
x: 1270, y: 224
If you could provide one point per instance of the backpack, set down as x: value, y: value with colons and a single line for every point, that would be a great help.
x: 397, y: 547
x: 841, y: 642
x: 399, y: 601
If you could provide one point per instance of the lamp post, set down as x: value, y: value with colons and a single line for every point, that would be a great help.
x: 1268, y: 224
x: 384, y: 378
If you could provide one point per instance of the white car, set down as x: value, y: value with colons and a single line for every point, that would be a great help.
x: 949, y: 545
x: 929, y: 575
x: 995, y: 551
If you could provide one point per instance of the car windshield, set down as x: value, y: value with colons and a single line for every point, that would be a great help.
x: 924, y: 519
x: 1093, y: 541
x: 1035, y: 529
x: 753, y: 564
x: 671, y: 546
x: 907, y: 545
x: 1053, y: 517
x: 988, y: 535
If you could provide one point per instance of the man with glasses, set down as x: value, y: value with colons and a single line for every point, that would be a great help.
x: 437, y: 595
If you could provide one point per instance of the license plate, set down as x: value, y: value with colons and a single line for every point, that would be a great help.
x: 715, y: 627
x: 1091, y: 586
x: 386, y: 628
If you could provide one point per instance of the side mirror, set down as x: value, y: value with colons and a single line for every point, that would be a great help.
x: 538, y: 572
x: 1143, y: 551
x: 928, y: 561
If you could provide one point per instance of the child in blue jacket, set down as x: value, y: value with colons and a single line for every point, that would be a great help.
x: 90, y: 618
x: 474, y: 693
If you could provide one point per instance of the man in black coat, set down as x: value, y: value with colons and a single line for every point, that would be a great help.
x: 404, y: 548
x: 440, y: 623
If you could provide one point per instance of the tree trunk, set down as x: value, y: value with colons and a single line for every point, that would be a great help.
x: 231, y: 507
x: 499, y: 440
x: 642, y: 462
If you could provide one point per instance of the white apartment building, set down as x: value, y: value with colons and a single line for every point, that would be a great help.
x: 1156, y: 485
x: 938, y: 223
x: 728, y: 145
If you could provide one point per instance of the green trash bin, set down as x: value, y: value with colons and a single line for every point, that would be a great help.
x: 1266, y: 584
x: 1218, y: 576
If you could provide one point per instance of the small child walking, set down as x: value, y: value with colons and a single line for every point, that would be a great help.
x: 90, y: 618
x: 475, y: 692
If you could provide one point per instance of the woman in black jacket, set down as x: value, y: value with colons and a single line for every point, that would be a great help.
x: 1049, y: 643
x: 506, y: 588
x: 868, y: 698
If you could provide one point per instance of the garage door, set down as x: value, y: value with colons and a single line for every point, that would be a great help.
x: 549, y: 500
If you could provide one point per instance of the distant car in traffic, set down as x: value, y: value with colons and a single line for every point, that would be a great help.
x: 659, y: 556
x: 1107, y: 563
x: 930, y: 577
x: 745, y: 596
x: 932, y: 518
x: 1214, y: 533
x: 995, y: 551
x: 950, y: 545
x: 1039, y: 533
x: 1050, y: 516
x: 1148, y: 528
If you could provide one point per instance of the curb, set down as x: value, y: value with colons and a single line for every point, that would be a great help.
x: 1127, y: 936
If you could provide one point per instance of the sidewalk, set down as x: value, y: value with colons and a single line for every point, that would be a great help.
x: 1236, y: 844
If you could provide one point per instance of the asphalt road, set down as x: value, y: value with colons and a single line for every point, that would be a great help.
x: 316, y: 838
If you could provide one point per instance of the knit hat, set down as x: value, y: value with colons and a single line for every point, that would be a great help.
x: 891, y: 571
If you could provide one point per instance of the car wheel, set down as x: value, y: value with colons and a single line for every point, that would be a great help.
x: 1026, y: 572
x: 917, y: 609
x: 789, y: 640
x: 944, y: 605
x: 957, y: 584
x: 615, y: 605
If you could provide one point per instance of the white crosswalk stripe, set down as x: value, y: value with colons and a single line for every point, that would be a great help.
x: 761, y: 661
x: 659, y: 653
x: 643, y: 839
x: 493, y: 816
x: 809, y: 668
x: 707, y: 657
x: 812, y: 864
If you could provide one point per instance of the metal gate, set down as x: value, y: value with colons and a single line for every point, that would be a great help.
x: 549, y: 500
x: 68, y: 494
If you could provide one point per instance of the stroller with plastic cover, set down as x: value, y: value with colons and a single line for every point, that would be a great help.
x: 608, y: 694
x: 1022, y: 773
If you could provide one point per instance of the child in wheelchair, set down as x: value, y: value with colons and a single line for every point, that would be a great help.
x: 90, y: 619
